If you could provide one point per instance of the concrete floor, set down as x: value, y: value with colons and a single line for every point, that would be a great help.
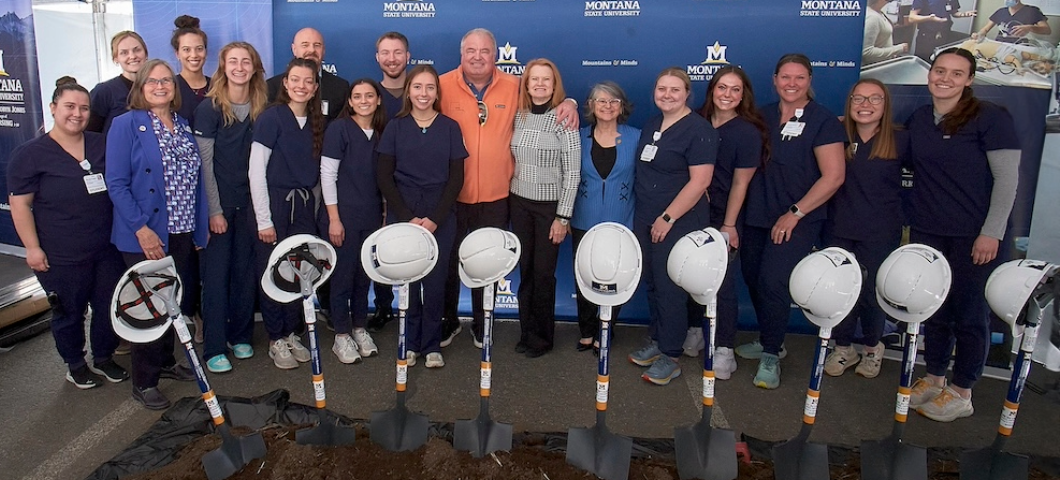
x: 53, y: 430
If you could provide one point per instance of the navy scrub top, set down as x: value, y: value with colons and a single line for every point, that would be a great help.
x: 940, y: 8
x: 868, y: 206
x: 231, y: 153
x: 358, y: 190
x: 740, y: 147
x: 423, y: 160
x: 72, y: 225
x: 109, y: 99
x: 951, y: 176
x: 292, y: 165
x: 792, y: 167
x: 189, y: 100
x: 690, y: 141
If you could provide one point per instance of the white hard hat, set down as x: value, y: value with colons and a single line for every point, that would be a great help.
x: 487, y: 255
x: 697, y: 263
x: 303, y: 253
x: 826, y: 284
x: 399, y: 253
x: 607, y: 264
x: 1012, y: 285
x: 138, y: 307
x: 912, y: 283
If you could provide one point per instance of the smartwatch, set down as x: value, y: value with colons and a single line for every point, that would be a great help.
x: 795, y: 211
x: 667, y: 218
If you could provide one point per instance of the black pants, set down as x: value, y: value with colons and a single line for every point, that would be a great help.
x: 148, y: 359
x: 470, y: 217
x: 531, y: 223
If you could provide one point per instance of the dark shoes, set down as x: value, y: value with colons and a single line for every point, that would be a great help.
x: 152, y: 398
x: 379, y: 319
x: 521, y: 347
x: 536, y: 352
x: 81, y: 378
x: 583, y: 347
x: 111, y: 371
x: 179, y: 373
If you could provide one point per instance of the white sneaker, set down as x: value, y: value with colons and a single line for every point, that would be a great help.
x: 477, y: 343
x: 345, y: 349
x: 840, y: 360
x: 869, y: 367
x: 694, y: 342
x: 364, y: 341
x: 280, y: 354
x: 947, y: 406
x: 299, y: 352
x: 410, y: 358
x: 724, y: 363
x: 434, y: 360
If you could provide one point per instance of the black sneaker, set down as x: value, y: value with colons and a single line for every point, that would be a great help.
x: 152, y: 398
x: 81, y: 378
x: 379, y: 319
x: 111, y: 371
x: 179, y: 373
x: 449, y: 333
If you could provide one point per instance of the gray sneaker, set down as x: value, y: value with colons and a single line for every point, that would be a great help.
x: 280, y: 354
x: 647, y: 355
x: 299, y: 352
x: 693, y: 342
x: 753, y: 350
x: 662, y: 371
x: 840, y: 360
x: 724, y: 363
x: 768, y: 376
x: 870, y: 362
x: 947, y: 406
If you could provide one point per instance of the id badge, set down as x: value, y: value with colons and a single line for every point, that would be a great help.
x: 649, y: 153
x: 793, y: 129
x: 949, y: 8
x: 324, y: 107
x: 94, y: 183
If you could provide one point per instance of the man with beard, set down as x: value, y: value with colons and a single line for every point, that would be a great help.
x: 309, y: 43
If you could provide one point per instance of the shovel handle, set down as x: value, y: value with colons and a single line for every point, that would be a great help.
x: 193, y: 359
x: 711, y: 316
x: 1020, y: 371
x: 402, y: 360
x: 813, y: 393
x: 486, y: 367
x: 603, y: 377
x: 901, y: 406
x: 310, y: 315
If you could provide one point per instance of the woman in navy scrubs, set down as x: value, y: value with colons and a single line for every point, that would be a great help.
x: 224, y: 131
x: 284, y: 169
x: 56, y: 187
x: 730, y: 107
x: 109, y: 98
x: 421, y: 171
x: 934, y: 24
x: 965, y: 156
x: 676, y: 155
x: 865, y: 217
x: 547, y: 170
x: 785, y: 205
x: 609, y: 150
x: 353, y: 209
x: 154, y: 176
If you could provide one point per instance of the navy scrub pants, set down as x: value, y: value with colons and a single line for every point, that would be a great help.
x: 228, y: 283
x: 349, y: 283
x: 667, y: 303
x: 870, y: 254
x: 75, y: 287
x: 589, y: 312
x: 963, y: 319
x: 148, y: 359
x: 470, y: 217
x: 531, y: 223
x: 766, y: 269
x: 289, y: 217
x: 427, y: 298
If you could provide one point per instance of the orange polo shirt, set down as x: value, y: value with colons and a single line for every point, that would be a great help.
x: 489, y: 166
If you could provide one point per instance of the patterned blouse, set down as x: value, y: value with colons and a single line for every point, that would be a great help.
x: 182, y: 163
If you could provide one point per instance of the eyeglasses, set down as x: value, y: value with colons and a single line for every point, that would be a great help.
x: 155, y: 82
x: 483, y: 113
x: 859, y: 99
x: 612, y: 102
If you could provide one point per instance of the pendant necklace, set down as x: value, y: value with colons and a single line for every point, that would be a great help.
x: 423, y: 129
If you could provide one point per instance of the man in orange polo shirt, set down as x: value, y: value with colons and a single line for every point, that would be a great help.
x: 482, y: 99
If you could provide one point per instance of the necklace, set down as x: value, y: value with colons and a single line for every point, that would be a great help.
x: 420, y: 122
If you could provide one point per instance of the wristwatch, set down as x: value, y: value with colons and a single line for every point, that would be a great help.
x: 795, y: 211
x: 667, y: 218
x: 563, y: 221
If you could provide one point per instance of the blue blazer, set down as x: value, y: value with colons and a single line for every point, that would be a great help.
x: 137, y: 185
x: 611, y: 200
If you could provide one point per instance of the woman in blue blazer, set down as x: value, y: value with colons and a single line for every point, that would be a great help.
x: 155, y: 181
x: 605, y: 192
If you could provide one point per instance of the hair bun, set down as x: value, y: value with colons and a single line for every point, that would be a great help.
x: 186, y: 21
x: 65, y: 80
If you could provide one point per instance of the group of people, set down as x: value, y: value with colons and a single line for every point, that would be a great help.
x: 214, y: 171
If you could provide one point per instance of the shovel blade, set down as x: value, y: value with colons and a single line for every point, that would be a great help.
x: 797, y: 459
x: 328, y: 432
x: 599, y: 452
x: 705, y: 453
x: 992, y: 464
x: 233, y: 455
x: 892, y: 459
x: 482, y: 437
x: 398, y: 429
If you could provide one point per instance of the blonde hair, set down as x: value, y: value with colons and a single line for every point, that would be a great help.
x: 558, y: 95
x: 219, y: 88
